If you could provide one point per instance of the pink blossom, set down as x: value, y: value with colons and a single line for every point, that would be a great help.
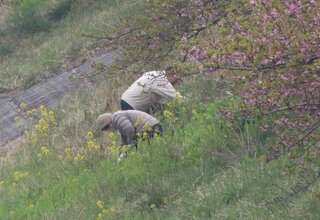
x: 274, y: 13
x: 197, y: 53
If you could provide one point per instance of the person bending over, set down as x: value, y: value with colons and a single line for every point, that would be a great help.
x: 149, y: 89
x: 130, y: 124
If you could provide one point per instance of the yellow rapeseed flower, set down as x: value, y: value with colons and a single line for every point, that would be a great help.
x: 111, y: 135
x: 100, y: 204
x: 167, y: 114
x: 178, y: 97
x: 19, y: 175
x: 124, y: 149
x: 90, y: 135
x: 104, y: 212
x: 44, y: 150
x: 100, y: 216
x: 147, y: 127
x: 67, y: 150
x: 42, y: 108
x: 23, y: 106
x: 30, y: 112
x: 145, y: 135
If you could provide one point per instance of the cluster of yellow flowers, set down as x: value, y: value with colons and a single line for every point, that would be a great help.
x: 103, y: 211
x: 42, y: 121
x: 179, y: 98
x: 169, y: 115
x: 44, y: 152
x: 83, y: 152
x: 91, y: 141
x: 18, y: 175
x: 112, y: 148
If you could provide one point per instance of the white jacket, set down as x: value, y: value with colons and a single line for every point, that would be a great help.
x: 148, y: 89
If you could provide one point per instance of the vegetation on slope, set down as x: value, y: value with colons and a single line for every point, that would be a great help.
x: 28, y: 57
x: 204, y: 166
x: 201, y: 168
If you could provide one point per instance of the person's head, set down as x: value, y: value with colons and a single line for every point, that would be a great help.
x: 171, y: 75
x: 174, y: 79
x: 104, y: 122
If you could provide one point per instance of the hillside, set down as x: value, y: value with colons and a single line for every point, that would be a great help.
x: 210, y: 163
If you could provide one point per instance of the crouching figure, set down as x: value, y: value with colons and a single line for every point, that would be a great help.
x: 132, y: 125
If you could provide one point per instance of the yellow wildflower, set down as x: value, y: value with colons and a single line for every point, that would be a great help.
x: 19, y: 175
x: 30, y: 112
x: 178, y: 97
x: 145, y: 135
x: 90, y: 135
x: 67, y: 150
x: 168, y: 114
x: 111, y: 135
x: 42, y: 108
x: 100, y: 204
x: 147, y: 127
x: 23, y: 106
x: 100, y: 216
x: 112, y: 209
x: 104, y: 212
x: 124, y: 149
x: 44, y: 150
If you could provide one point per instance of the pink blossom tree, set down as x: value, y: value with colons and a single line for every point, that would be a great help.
x: 270, y: 48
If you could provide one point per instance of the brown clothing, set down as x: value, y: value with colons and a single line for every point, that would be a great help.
x: 131, y: 122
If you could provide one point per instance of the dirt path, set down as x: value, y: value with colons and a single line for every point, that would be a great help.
x: 49, y: 92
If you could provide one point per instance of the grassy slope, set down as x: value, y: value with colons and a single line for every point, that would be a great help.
x: 200, y: 169
x: 199, y: 172
x: 44, y: 53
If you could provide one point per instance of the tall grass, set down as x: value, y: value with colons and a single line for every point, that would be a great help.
x: 197, y: 170
x: 35, y: 56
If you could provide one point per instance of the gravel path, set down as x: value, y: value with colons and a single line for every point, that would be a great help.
x: 48, y: 92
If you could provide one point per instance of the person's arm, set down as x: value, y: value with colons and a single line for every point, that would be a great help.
x: 126, y: 130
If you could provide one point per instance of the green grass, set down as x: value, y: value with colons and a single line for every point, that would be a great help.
x: 197, y: 170
x: 202, y: 167
x: 44, y: 53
